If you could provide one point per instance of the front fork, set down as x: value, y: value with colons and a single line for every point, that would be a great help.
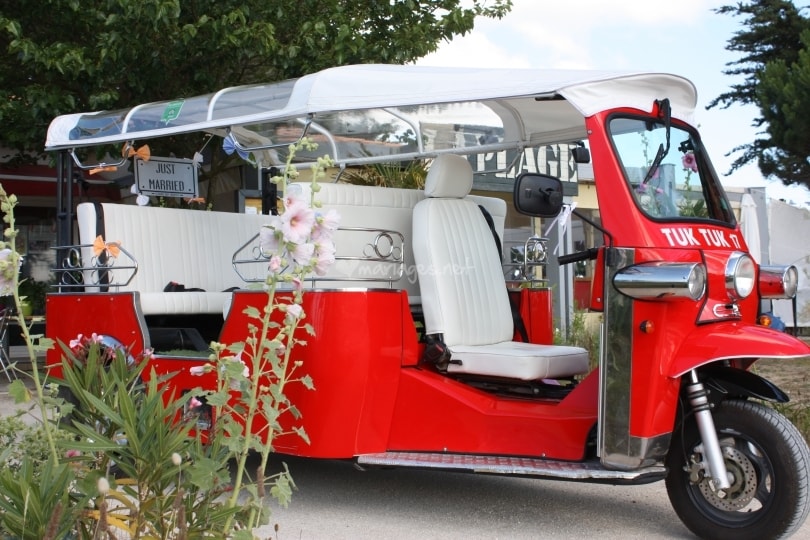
x: 713, y: 456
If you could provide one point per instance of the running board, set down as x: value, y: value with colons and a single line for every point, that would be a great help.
x: 588, y: 471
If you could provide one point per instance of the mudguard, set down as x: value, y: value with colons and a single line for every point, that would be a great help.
x: 725, y: 382
x: 730, y: 340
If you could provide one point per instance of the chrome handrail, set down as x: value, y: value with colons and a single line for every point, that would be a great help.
x: 386, y: 248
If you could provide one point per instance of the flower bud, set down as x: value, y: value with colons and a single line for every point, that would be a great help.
x: 103, y: 485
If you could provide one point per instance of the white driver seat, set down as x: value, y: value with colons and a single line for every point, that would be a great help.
x: 464, y: 296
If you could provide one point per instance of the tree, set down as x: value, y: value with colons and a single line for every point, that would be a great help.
x: 775, y: 66
x: 62, y: 56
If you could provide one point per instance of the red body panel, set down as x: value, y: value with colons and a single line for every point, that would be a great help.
x: 434, y: 413
x: 535, y: 310
x: 113, y: 314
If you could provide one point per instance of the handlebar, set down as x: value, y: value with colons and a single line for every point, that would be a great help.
x: 588, y: 254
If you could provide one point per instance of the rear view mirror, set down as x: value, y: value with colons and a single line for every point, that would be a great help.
x: 538, y: 195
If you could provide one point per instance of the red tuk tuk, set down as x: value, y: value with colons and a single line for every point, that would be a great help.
x: 432, y: 347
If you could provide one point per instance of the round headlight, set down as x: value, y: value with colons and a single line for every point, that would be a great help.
x: 740, y: 275
x: 697, y: 282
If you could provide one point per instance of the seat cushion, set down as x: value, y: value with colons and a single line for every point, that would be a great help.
x: 518, y: 360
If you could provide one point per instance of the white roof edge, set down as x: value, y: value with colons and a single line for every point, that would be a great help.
x: 376, y: 85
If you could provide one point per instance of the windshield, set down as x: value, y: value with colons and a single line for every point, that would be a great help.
x: 670, y: 177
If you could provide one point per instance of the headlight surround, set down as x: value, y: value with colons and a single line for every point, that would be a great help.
x: 662, y: 281
x: 777, y: 282
x: 741, y: 271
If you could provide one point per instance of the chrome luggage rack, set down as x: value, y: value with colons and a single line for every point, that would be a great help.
x: 103, y: 271
x: 379, y: 257
x: 524, y: 259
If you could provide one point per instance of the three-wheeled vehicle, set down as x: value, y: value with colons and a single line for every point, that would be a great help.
x: 431, y: 348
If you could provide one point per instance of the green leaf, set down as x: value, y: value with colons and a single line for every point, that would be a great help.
x: 218, y: 399
x: 252, y: 312
x: 19, y: 392
x: 302, y: 433
x: 306, y: 380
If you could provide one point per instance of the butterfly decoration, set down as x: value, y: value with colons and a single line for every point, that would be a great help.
x: 113, y: 249
x: 229, y: 146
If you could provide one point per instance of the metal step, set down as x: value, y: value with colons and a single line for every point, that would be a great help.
x: 592, y: 471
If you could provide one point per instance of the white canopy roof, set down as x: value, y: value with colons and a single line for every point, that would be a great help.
x: 528, y: 106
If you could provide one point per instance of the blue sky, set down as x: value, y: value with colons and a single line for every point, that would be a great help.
x: 686, y: 38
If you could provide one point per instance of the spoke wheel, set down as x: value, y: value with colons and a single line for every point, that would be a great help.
x: 767, y: 462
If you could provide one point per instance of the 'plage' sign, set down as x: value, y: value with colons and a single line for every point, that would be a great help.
x: 166, y: 177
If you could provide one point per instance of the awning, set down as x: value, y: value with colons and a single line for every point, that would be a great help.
x: 529, y: 106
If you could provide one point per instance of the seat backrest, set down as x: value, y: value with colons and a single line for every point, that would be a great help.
x: 463, y: 290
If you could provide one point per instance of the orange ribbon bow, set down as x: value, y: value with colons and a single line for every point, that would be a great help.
x: 99, y: 246
x: 142, y: 153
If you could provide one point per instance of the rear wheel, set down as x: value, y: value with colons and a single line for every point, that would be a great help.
x: 767, y: 461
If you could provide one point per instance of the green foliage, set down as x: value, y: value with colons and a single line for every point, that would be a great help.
x: 580, y: 334
x: 23, y: 441
x: 784, y: 99
x: 776, y: 69
x: 37, y: 506
x: 94, y: 55
x: 409, y: 176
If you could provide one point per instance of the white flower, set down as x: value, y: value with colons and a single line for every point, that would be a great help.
x: 325, y: 224
x: 302, y: 253
x: 198, y: 370
x: 176, y: 459
x: 268, y: 236
x: 324, y: 256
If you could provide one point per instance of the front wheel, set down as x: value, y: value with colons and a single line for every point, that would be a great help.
x: 767, y: 461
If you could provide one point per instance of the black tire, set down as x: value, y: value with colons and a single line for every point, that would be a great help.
x: 769, y: 462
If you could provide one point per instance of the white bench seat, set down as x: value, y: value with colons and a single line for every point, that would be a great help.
x: 464, y: 296
x: 196, y: 248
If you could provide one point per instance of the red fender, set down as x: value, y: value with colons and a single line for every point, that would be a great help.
x: 728, y: 340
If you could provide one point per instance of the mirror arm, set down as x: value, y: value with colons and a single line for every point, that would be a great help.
x: 593, y: 224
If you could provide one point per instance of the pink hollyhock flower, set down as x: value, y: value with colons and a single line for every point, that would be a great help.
x: 325, y: 224
x: 302, y: 253
x: 689, y: 162
x: 324, y: 257
x: 194, y: 403
x: 268, y: 237
x: 294, y: 197
x: 275, y: 264
x: 296, y: 223
x: 294, y: 312
x: 72, y: 453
